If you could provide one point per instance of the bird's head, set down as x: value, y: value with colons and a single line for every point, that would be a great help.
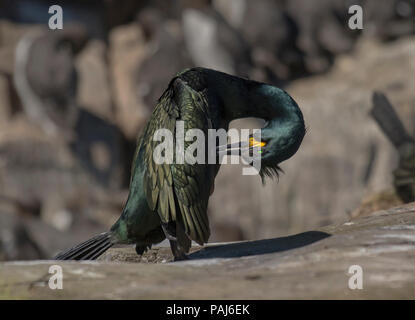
x: 279, y: 139
x: 277, y: 142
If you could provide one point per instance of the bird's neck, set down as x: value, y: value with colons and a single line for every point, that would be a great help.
x: 241, y: 98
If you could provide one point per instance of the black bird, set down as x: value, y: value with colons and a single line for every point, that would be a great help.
x: 170, y: 200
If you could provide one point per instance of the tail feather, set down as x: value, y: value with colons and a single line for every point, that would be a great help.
x: 88, y: 250
x: 97, y: 252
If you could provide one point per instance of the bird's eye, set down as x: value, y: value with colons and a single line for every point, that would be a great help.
x: 256, y: 143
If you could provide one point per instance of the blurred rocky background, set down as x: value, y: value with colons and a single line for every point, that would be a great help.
x: 73, y: 101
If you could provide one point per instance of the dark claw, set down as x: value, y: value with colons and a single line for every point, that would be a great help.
x: 140, y: 250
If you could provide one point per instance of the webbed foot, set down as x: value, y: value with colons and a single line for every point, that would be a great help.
x: 178, y: 252
x: 141, y: 249
x: 183, y: 257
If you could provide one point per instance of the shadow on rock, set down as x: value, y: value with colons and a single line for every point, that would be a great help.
x: 249, y: 248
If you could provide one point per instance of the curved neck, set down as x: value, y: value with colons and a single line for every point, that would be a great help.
x: 242, y: 98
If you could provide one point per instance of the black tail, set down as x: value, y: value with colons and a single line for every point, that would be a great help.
x: 88, y: 250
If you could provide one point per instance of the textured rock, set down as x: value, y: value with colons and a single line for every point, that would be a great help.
x: 10, y: 34
x: 94, y: 91
x: 309, y: 265
x: 41, y: 180
x: 274, y: 54
x: 213, y: 43
x: 127, y: 51
x: 164, y: 41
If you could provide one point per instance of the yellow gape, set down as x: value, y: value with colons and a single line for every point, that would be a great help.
x: 255, y: 143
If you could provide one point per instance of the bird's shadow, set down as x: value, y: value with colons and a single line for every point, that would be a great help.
x: 249, y: 248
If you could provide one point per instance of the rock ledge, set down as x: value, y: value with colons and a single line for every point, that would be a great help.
x: 309, y: 265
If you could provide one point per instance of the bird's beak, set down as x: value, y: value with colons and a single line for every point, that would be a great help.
x: 232, y: 148
x: 239, y: 147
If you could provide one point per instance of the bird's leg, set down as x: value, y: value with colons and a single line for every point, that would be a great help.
x: 178, y: 252
x: 142, y: 249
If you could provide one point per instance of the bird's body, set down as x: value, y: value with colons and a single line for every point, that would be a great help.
x: 170, y: 199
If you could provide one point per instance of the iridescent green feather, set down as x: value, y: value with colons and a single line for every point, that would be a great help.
x: 173, y: 189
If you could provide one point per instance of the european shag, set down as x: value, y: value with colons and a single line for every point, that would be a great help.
x: 170, y: 200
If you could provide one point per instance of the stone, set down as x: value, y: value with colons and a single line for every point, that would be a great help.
x: 213, y: 43
x: 164, y: 39
x: 94, y: 90
x: 309, y: 265
x: 127, y: 51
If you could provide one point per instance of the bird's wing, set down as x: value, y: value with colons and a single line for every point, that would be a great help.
x: 179, y: 192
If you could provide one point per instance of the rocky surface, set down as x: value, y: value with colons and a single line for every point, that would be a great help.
x: 309, y: 265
